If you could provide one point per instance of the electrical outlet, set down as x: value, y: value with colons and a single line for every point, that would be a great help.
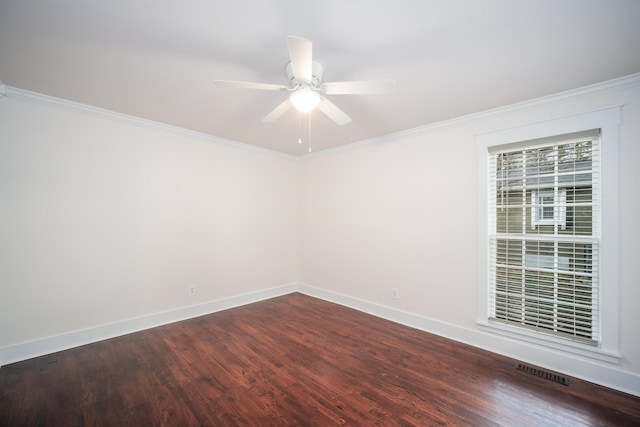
x: 192, y: 290
x: 394, y: 293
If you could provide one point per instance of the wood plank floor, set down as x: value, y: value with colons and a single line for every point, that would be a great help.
x: 294, y: 361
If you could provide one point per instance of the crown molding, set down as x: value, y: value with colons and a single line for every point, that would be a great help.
x: 621, y: 83
x: 608, y: 86
x: 25, y: 95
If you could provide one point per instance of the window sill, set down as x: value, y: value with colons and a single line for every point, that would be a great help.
x: 550, y: 341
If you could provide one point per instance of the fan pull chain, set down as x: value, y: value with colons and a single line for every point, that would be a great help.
x: 299, y: 127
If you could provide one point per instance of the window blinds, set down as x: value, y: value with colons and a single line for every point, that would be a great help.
x: 544, y: 218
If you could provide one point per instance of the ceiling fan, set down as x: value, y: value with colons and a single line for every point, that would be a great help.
x: 307, y: 88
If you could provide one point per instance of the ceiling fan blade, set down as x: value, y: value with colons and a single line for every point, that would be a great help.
x: 333, y: 112
x: 249, y: 85
x: 277, y: 112
x: 301, y: 55
x: 361, y: 87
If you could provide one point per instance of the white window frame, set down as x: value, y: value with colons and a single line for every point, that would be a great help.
x: 608, y: 121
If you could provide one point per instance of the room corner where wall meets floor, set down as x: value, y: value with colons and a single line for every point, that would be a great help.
x: 294, y: 360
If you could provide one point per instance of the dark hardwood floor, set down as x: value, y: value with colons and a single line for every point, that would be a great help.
x: 294, y: 361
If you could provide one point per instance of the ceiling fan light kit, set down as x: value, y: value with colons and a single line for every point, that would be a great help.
x: 306, y: 86
x: 305, y: 99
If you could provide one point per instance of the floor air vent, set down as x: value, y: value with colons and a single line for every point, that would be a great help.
x: 542, y: 373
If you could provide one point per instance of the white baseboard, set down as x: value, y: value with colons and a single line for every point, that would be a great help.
x: 597, y: 373
x: 567, y: 364
x: 48, y: 345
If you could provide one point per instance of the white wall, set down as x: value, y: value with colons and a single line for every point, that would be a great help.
x: 401, y: 212
x: 105, y: 219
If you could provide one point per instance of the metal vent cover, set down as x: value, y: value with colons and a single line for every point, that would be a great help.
x: 542, y: 373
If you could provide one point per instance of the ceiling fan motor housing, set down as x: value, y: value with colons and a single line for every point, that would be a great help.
x: 316, y: 75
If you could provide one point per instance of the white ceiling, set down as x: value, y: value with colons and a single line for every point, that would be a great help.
x: 157, y: 59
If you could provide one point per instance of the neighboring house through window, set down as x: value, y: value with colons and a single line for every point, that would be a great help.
x: 549, y: 208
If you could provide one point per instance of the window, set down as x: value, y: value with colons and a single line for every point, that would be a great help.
x: 548, y: 208
x: 548, y: 233
x: 541, y: 270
